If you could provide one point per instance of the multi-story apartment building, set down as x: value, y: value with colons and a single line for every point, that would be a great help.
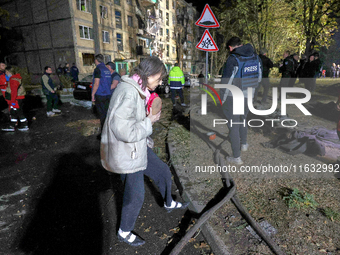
x: 156, y: 30
x: 53, y: 32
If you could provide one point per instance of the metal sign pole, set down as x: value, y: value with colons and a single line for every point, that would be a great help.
x: 206, y: 67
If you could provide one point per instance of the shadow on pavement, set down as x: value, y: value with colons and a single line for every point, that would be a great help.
x: 67, y: 218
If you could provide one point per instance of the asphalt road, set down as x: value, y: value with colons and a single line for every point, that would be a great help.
x: 55, y: 197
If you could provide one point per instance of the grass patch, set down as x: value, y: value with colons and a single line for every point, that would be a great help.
x: 331, y: 214
x: 300, y: 201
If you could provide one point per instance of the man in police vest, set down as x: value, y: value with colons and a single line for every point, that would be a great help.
x: 176, y: 81
x: 243, y: 69
x: 101, y: 90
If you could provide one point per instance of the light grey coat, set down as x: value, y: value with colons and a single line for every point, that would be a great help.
x: 123, y: 143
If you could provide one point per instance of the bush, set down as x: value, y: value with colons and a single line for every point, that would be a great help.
x: 26, y: 76
x: 66, y: 81
x: 298, y: 200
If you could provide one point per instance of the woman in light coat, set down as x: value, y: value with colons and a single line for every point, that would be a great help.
x: 124, y: 147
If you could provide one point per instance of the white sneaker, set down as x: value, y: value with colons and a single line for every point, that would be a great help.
x: 56, y: 111
x: 50, y: 114
x: 244, y: 147
x: 183, y: 104
x: 236, y: 161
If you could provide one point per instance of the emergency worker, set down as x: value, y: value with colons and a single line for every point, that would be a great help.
x: 176, y: 81
x: 101, y: 90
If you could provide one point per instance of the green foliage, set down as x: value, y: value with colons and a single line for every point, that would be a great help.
x: 317, y: 20
x: 331, y: 214
x: 300, y: 201
x: 66, y: 81
x: 277, y: 25
x: 25, y: 75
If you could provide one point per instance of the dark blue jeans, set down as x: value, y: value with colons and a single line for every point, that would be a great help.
x: 173, y: 95
x: 102, y: 105
x: 237, y: 124
x: 133, y: 197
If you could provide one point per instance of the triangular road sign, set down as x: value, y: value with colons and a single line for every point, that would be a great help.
x: 207, y: 43
x: 207, y: 19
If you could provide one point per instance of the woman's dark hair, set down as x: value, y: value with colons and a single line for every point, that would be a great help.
x: 148, y: 67
x: 11, y: 69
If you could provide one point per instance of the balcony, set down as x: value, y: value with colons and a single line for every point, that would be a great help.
x: 141, y: 51
x: 147, y: 2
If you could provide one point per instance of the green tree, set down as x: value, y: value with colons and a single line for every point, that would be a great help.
x: 317, y: 19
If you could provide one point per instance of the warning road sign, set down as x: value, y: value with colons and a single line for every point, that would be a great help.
x: 207, y: 43
x: 207, y: 19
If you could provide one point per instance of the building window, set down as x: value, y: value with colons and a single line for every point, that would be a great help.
x: 117, y: 2
x: 130, y: 21
x: 173, y: 50
x: 107, y: 58
x: 129, y: 2
x: 173, y: 20
x: 173, y: 36
x: 161, y: 15
x: 167, y: 35
x: 118, y: 19
x: 84, y: 5
x: 86, y: 32
x: 120, y: 42
x: 173, y: 4
x: 103, y: 12
x: 167, y: 50
x: 142, y: 43
x: 167, y: 4
x: 88, y: 59
x: 106, y: 36
x: 161, y: 32
x: 167, y: 19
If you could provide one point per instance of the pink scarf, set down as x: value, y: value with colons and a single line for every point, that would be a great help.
x: 136, y: 78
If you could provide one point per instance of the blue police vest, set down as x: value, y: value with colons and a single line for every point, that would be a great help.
x: 248, y: 71
x: 104, y: 88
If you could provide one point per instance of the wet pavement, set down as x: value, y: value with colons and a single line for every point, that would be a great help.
x: 55, y: 197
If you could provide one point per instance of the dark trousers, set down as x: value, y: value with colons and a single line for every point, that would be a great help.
x: 133, y: 197
x: 310, y: 84
x: 265, y: 84
x: 102, y: 105
x: 52, y: 101
x: 17, y: 113
x: 173, y: 95
x: 237, y: 131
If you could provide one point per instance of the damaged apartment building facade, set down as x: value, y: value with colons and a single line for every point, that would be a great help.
x: 52, y: 32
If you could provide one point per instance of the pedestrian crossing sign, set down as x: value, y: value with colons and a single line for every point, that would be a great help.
x: 207, y: 19
x: 207, y: 43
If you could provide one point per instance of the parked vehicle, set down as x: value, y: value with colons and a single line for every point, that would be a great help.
x: 164, y: 88
x: 187, y: 80
x: 82, y: 88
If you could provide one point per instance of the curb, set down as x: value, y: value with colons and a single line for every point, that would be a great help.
x: 216, y: 244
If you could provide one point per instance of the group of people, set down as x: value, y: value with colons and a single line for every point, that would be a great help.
x: 335, y: 70
x: 307, y: 70
x: 14, y: 93
x: 245, y: 69
x: 70, y: 72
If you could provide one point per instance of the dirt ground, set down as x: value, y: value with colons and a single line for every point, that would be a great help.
x: 310, y: 225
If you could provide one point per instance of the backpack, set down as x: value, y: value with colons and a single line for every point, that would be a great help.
x: 248, y: 71
x: 21, y: 90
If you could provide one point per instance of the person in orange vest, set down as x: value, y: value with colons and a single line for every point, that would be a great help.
x: 15, y: 94
x: 3, y: 82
